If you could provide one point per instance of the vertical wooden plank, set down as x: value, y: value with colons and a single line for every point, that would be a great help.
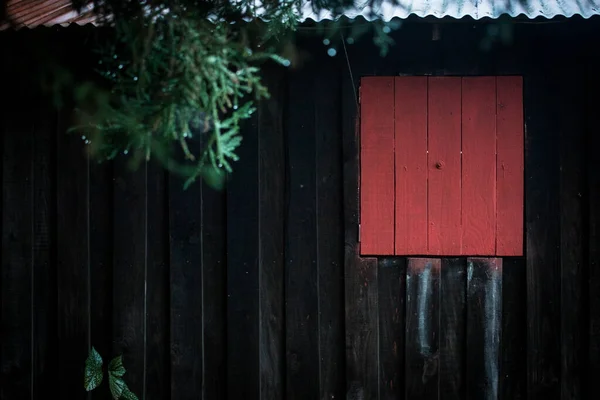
x: 514, y: 330
x: 411, y: 165
x: 157, y: 373
x: 593, y: 242
x: 484, y: 325
x: 16, y: 369
x: 101, y: 263
x: 509, y: 166
x: 186, y: 286
x: 478, y: 166
x: 392, y: 288
x: 444, y: 166
x: 243, y: 354
x: 271, y: 154
x: 44, y: 322
x: 302, y: 341
x: 72, y: 250
x: 422, y: 328
x: 572, y: 216
x: 542, y: 237
x: 453, y: 315
x: 330, y: 230
x: 377, y: 166
x: 214, y: 267
x: 360, y: 273
x: 130, y: 270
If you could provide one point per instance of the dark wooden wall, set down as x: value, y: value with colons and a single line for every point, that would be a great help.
x: 257, y: 292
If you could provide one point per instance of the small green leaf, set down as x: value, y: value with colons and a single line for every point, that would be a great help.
x: 117, y: 386
x: 116, y: 367
x: 93, y: 371
x: 128, y: 394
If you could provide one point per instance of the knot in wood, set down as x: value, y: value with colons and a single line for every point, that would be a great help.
x: 439, y: 164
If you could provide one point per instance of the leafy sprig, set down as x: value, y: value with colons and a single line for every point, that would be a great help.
x: 94, y: 374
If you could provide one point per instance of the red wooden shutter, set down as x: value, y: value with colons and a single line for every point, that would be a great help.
x: 509, y: 166
x: 377, y: 168
x: 479, y: 166
x: 411, y: 165
x: 442, y: 166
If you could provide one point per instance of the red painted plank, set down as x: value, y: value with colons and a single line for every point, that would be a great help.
x: 444, y: 197
x: 411, y: 165
x: 510, y: 179
x: 377, y: 166
x: 479, y: 166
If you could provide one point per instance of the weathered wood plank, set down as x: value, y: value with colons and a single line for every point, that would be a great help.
x: 186, y: 286
x: 101, y: 263
x: 514, y: 330
x: 377, y: 166
x: 44, y: 281
x: 391, y: 275
x: 509, y: 166
x: 214, y: 268
x: 484, y: 325
x: 17, y: 271
x: 452, y: 337
x: 72, y: 250
x: 271, y: 154
x: 302, y: 318
x: 243, y: 353
x: 422, y: 328
x: 593, y: 242
x: 411, y: 165
x: 360, y: 274
x: 157, y: 371
x: 130, y: 270
x: 542, y: 237
x: 572, y: 216
x: 330, y: 231
x: 444, y: 166
x: 478, y: 184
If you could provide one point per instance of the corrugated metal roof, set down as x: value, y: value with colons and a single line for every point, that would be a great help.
x: 33, y: 13
x: 476, y: 9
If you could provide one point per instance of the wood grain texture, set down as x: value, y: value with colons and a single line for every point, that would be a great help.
x: 271, y: 155
x: 572, y: 230
x: 391, y: 275
x: 360, y: 284
x: 72, y: 250
x: 16, y: 301
x: 214, y: 269
x: 411, y: 165
x: 44, y: 318
x: 478, y: 185
x: 444, y: 166
x: 377, y: 166
x: 509, y: 166
x: 484, y: 325
x: 422, y: 328
x: 453, y: 345
x: 514, y: 330
x: 593, y: 242
x: 542, y: 236
x: 242, y: 270
x: 130, y: 270
x: 330, y: 230
x: 302, y: 318
x: 101, y: 262
x: 186, y: 287
x: 157, y: 326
